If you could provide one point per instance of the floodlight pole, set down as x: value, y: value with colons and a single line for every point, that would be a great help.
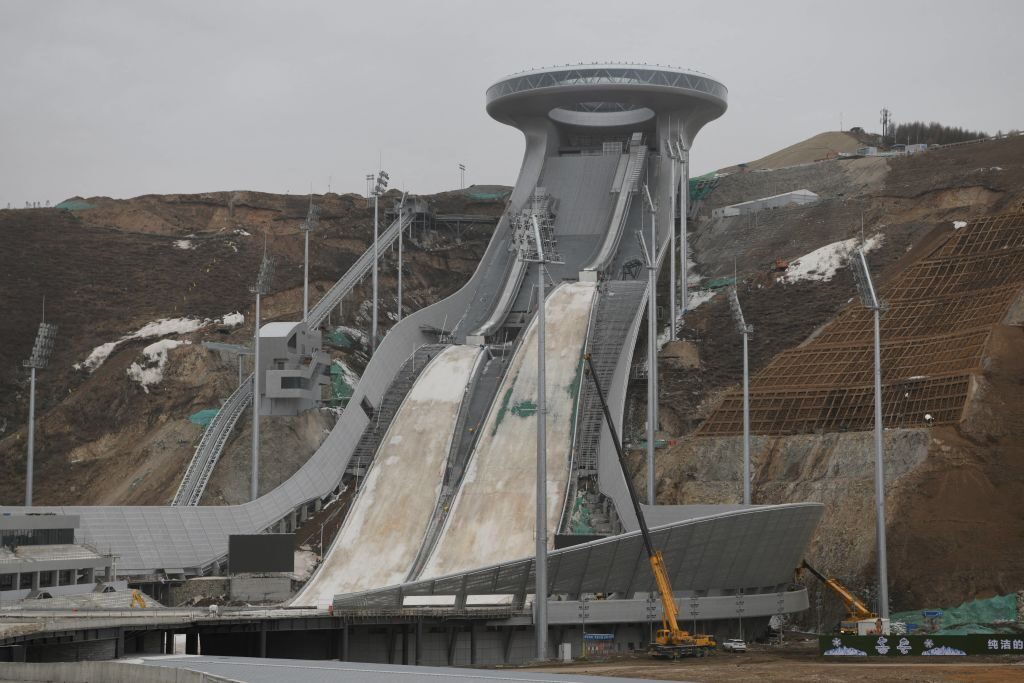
x: 378, y: 189
x: 745, y: 330
x: 39, y: 359
x: 869, y: 298
x: 373, y: 328
x: 537, y: 254
x: 261, y: 287
x: 746, y: 421
x: 540, y: 593
x: 883, y: 569
x: 307, y: 227
x: 31, y: 440
x: 254, y: 479
x: 652, y: 349
x: 401, y: 229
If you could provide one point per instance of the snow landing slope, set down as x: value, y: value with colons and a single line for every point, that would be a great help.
x: 493, y: 516
x: 383, y: 532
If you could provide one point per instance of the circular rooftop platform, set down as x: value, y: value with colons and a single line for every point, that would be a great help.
x: 606, y: 95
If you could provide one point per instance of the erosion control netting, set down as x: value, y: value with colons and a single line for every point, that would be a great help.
x: 203, y: 417
x: 701, y: 186
x: 936, y: 322
x: 991, y: 615
x: 341, y: 390
x: 339, y: 339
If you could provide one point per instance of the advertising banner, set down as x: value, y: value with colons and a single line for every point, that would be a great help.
x: 902, y: 646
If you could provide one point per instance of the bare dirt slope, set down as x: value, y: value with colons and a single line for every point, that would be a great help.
x: 821, y: 146
x: 955, y: 491
x: 109, y: 267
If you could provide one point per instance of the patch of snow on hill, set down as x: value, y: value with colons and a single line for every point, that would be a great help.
x: 183, y: 244
x: 151, y: 370
x: 823, y: 263
x: 157, y: 328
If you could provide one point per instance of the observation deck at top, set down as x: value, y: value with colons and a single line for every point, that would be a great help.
x: 609, y: 97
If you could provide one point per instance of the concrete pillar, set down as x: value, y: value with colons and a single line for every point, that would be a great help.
x: 192, y: 642
x: 119, y: 645
x: 108, y: 573
x: 263, y: 644
x: 419, y: 642
x: 405, y: 643
x: 453, y: 639
x: 90, y: 575
x: 318, y: 504
x: 344, y: 643
x: 35, y: 581
x: 168, y: 642
x: 472, y: 644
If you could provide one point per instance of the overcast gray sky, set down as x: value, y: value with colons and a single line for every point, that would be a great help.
x: 129, y: 98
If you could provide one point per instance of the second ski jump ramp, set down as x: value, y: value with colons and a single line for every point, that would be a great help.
x: 382, y: 533
x: 493, y: 516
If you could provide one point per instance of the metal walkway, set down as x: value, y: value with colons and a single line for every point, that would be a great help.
x: 211, y: 445
x: 383, y: 414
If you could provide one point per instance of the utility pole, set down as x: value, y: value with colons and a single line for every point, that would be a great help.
x: 39, y: 359
x: 462, y: 176
x: 261, y: 287
x: 308, y: 226
x: 651, y: 257
x: 536, y: 245
x: 869, y: 298
x: 401, y: 229
x: 379, y: 189
x: 745, y: 330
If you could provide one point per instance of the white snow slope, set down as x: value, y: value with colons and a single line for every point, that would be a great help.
x: 383, y: 532
x: 493, y: 515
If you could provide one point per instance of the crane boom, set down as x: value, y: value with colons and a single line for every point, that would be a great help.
x: 674, y: 641
x: 856, y: 608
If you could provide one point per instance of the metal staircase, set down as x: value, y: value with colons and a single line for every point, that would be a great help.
x: 383, y: 414
x: 212, y: 443
x: 615, y: 312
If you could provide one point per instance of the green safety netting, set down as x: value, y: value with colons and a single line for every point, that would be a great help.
x: 579, y: 520
x: 339, y: 339
x: 976, y: 616
x: 487, y: 196
x: 75, y: 205
x: 701, y: 186
x: 203, y: 417
x: 719, y: 282
x: 341, y: 391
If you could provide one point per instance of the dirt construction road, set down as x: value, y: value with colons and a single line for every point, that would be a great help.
x: 801, y: 665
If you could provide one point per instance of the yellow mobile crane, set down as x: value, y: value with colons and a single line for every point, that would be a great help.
x: 856, y: 610
x: 670, y: 641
